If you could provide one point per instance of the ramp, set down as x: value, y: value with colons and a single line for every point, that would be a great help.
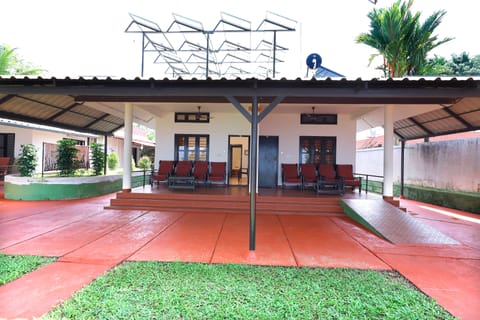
x: 391, y: 223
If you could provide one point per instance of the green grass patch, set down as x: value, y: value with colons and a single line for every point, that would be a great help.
x: 13, y: 267
x: 154, y: 290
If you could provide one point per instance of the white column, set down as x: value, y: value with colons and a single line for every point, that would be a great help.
x: 388, y: 152
x: 127, y: 148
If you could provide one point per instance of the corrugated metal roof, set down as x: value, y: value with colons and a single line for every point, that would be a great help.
x: 76, y: 104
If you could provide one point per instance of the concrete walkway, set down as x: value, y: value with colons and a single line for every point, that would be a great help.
x: 90, y: 240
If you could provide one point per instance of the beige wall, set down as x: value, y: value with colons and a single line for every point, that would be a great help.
x: 451, y: 165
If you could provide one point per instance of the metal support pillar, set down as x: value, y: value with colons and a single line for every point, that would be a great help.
x: 402, y: 168
x: 274, y: 51
x: 105, y: 150
x: 143, y: 54
x: 253, y: 172
x: 208, y: 55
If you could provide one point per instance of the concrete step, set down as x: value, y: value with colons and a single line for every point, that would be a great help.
x: 226, y: 203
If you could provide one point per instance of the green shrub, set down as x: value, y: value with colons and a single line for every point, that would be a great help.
x: 112, y: 160
x: 66, y: 152
x: 98, y: 158
x: 464, y: 201
x: 28, y: 160
x: 144, y: 163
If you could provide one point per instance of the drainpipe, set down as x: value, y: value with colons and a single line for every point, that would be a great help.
x: 127, y: 148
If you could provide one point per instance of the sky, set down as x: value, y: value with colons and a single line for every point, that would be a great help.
x: 87, y: 38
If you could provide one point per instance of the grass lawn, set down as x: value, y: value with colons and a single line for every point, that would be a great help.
x: 13, y: 267
x: 154, y: 290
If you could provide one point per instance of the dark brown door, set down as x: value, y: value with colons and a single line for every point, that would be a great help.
x: 267, y: 161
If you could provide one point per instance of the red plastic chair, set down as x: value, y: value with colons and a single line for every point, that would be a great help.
x: 309, y: 174
x: 217, y: 173
x: 290, y: 175
x: 200, y: 171
x: 165, y: 170
x: 327, y: 172
x: 183, y: 168
x: 345, y: 172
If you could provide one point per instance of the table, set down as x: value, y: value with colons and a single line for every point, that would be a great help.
x: 329, y: 186
x: 181, y: 182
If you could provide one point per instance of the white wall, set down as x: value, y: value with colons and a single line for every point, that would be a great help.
x: 220, y: 127
x: 287, y: 126
x: 22, y: 136
x: 284, y: 125
x: 37, y: 138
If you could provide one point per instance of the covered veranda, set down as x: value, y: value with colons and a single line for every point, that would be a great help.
x: 104, y: 105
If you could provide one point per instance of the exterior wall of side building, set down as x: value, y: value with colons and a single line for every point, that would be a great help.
x: 284, y: 125
x: 451, y: 165
x: 37, y: 138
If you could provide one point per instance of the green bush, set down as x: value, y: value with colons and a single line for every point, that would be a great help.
x: 112, y: 160
x: 28, y: 160
x: 98, y: 158
x: 144, y: 163
x: 464, y: 201
x: 66, y: 152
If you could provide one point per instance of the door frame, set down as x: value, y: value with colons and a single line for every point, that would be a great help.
x: 229, y: 166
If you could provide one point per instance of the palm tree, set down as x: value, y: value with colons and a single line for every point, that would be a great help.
x: 400, y: 38
x: 11, y: 64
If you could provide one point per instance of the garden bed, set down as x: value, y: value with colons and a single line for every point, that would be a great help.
x: 59, y: 188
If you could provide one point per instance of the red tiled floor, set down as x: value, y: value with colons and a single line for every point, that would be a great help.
x: 454, y: 283
x: 192, y: 238
x: 59, y: 241
x: 319, y: 242
x: 272, y: 248
x: 90, y: 240
x: 120, y: 243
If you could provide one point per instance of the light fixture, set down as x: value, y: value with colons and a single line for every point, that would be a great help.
x: 199, y: 114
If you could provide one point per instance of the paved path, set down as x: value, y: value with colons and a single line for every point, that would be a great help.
x: 90, y: 240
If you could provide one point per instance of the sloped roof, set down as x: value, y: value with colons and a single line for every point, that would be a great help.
x: 60, y: 111
x: 81, y: 104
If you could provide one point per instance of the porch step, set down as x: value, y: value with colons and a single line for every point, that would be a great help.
x: 226, y: 203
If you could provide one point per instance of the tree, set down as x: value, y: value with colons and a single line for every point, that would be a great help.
x: 400, y: 38
x: 27, y: 161
x: 112, y: 160
x: 459, y: 65
x: 66, y: 153
x: 98, y: 158
x: 12, y: 64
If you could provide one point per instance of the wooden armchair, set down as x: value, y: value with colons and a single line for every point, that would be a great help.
x: 165, y: 170
x: 345, y: 172
x: 290, y: 175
